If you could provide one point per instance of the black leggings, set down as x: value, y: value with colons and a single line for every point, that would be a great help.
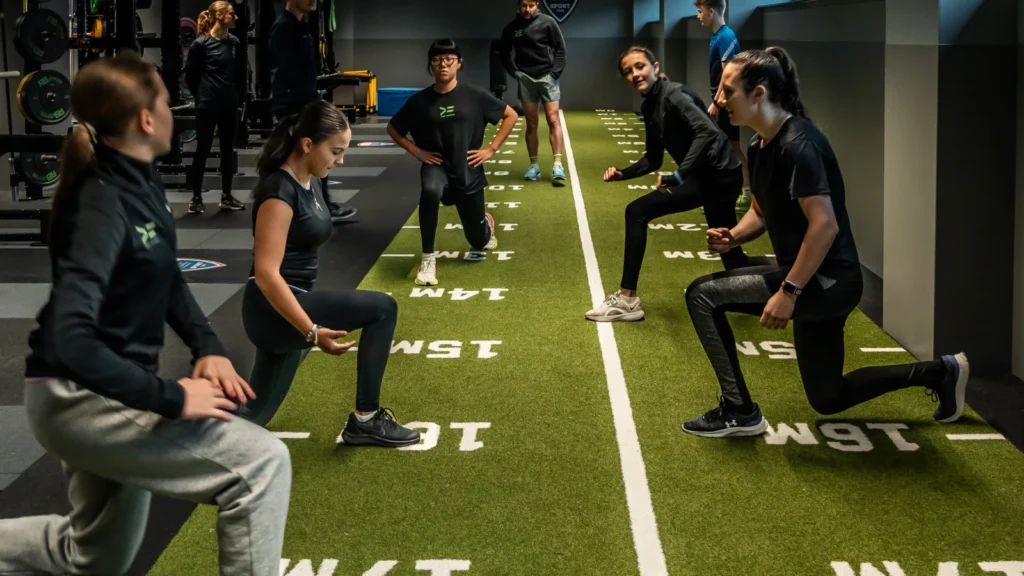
x: 436, y: 191
x: 280, y: 347
x: 818, y: 322
x: 223, y: 118
x: 717, y: 195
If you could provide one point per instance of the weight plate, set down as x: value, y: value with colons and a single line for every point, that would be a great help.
x: 44, y: 97
x: 187, y: 31
x: 41, y: 35
x: 188, y: 136
x: 39, y: 169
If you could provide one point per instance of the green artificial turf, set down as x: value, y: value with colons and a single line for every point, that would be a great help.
x: 545, y: 492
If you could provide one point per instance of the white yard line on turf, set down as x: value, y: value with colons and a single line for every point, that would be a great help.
x: 292, y: 435
x: 397, y: 255
x: 975, y: 437
x: 650, y: 556
x: 882, y: 350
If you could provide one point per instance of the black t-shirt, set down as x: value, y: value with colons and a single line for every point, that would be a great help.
x: 799, y: 163
x: 311, y: 226
x: 451, y: 125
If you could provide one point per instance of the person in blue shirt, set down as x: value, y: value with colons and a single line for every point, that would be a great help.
x: 724, y: 46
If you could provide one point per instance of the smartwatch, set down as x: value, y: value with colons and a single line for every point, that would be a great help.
x: 791, y: 289
x: 311, y: 335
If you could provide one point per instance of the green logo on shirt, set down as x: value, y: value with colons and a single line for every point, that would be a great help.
x: 447, y: 111
x: 147, y: 234
x: 519, y: 33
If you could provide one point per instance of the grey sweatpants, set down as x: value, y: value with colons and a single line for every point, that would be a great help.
x: 115, y: 456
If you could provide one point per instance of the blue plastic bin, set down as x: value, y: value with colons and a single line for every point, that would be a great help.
x: 391, y: 100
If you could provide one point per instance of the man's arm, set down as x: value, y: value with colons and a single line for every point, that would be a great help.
x: 506, y: 52
x: 558, y: 41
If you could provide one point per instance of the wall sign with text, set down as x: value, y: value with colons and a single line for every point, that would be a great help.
x: 560, y: 9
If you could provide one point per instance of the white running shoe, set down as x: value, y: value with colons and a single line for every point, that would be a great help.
x: 615, y: 309
x: 493, y: 243
x: 427, y: 275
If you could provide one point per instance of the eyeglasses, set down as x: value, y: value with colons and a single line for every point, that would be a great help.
x: 448, y: 60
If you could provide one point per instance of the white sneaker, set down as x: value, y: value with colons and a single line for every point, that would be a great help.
x: 493, y: 243
x: 615, y: 309
x: 427, y: 275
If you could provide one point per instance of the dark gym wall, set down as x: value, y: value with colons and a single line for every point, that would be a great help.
x: 391, y: 39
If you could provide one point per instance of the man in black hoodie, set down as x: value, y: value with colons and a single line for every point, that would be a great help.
x: 293, y: 72
x: 539, y: 62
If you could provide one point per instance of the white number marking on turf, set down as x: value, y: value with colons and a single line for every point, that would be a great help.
x: 890, y: 568
x: 328, y: 567
x: 846, y: 437
x: 458, y: 294
x: 430, y: 435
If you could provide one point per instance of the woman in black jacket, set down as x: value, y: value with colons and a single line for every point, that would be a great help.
x: 212, y: 74
x: 709, y: 175
x: 92, y: 394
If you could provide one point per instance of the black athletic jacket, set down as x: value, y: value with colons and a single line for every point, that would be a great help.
x: 212, y: 71
x: 539, y: 46
x: 115, y: 283
x: 293, y: 63
x: 678, y: 121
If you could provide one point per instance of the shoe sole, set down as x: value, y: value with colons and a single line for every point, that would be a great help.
x: 630, y: 317
x: 350, y: 440
x: 755, y: 430
x: 419, y: 282
x: 961, y: 388
x: 232, y: 208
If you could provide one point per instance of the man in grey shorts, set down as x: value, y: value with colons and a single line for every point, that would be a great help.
x: 539, y: 61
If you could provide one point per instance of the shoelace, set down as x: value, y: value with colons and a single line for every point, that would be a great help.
x: 387, y: 418
x: 716, y: 413
x: 932, y: 393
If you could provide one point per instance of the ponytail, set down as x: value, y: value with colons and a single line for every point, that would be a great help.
x: 775, y: 70
x: 276, y: 151
x: 77, y: 157
x: 205, y: 24
x: 789, y: 97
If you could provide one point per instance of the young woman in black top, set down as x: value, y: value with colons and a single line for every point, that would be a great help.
x: 447, y: 122
x: 212, y: 73
x: 800, y: 200
x: 283, y: 317
x: 709, y: 175
x: 92, y: 393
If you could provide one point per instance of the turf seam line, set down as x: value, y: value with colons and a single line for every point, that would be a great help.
x: 650, y: 556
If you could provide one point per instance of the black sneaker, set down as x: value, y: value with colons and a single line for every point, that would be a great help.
x: 230, y: 203
x: 195, y: 206
x: 724, y: 421
x: 381, y: 430
x: 341, y: 213
x: 952, y: 391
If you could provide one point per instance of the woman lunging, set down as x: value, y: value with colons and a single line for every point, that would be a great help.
x: 215, y: 61
x: 447, y: 123
x: 709, y: 175
x: 283, y: 316
x: 800, y: 200
x: 92, y: 393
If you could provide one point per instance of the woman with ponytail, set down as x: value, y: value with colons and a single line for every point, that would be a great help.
x: 800, y: 201
x: 283, y: 317
x: 92, y: 393
x: 709, y: 175
x: 215, y: 64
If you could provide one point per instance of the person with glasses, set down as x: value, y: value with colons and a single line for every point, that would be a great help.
x: 447, y: 122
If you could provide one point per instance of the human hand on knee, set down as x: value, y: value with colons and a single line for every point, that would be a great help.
x: 327, y: 341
